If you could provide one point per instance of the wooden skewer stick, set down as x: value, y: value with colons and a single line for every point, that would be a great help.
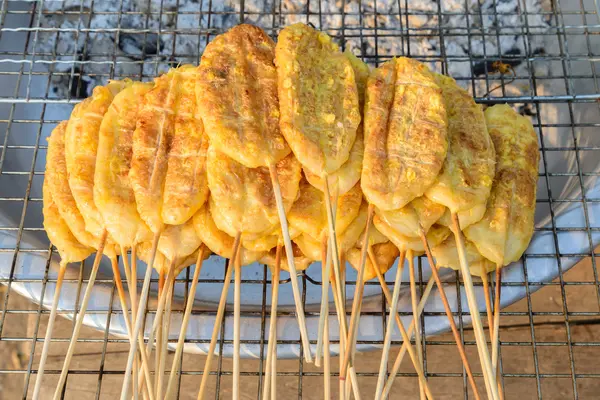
x: 491, y: 326
x: 162, y: 301
x: 354, y: 379
x: 340, y: 311
x: 175, y: 372
x: 496, y: 330
x: 287, y: 241
x: 335, y: 253
x: 159, y: 335
x: 121, y: 293
x: 323, y: 319
x: 123, y: 301
x: 326, y: 358
x: 388, y: 333
x: 268, y: 387
x: 145, y: 377
x: 413, y: 298
x: 127, y: 270
x: 339, y: 275
x: 274, y: 305
x: 484, y: 355
x: 405, y: 344
x: 139, y: 319
x: 405, y: 335
x: 166, y: 323
x: 352, y: 383
x: 49, y: 329
x: 136, y: 361
x: 326, y: 272
x: 236, y: 326
x: 448, y: 310
x: 219, y: 318
x: 274, y: 377
x: 488, y: 303
x: 82, y: 311
x: 358, y: 295
x: 130, y: 276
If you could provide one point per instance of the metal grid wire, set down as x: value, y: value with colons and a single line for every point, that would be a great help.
x: 52, y: 54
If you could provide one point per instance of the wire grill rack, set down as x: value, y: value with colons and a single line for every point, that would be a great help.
x: 52, y: 53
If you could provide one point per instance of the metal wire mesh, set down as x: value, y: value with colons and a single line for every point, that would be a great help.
x: 52, y: 53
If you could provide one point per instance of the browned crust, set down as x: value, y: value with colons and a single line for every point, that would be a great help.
x: 245, y: 196
x: 237, y: 97
x: 218, y: 241
x: 507, y: 226
x: 309, y: 215
x: 81, y: 146
x: 301, y: 261
x: 69, y: 248
x: 154, y: 127
x: 58, y: 185
x: 385, y: 255
x: 186, y: 186
x: 113, y: 193
x: 318, y: 98
x: 468, y: 171
x: 405, y: 133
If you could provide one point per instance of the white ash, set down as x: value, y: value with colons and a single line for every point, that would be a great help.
x: 147, y: 46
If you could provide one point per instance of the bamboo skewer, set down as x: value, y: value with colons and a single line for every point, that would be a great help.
x: 326, y: 272
x: 448, y: 310
x: 274, y: 377
x: 491, y: 325
x: 413, y: 298
x: 340, y: 311
x: 236, y: 326
x: 127, y: 270
x: 388, y: 333
x: 160, y: 332
x: 166, y: 324
x: 139, y: 319
x: 354, y: 380
x: 287, y: 241
x: 268, y: 386
x: 488, y: 303
x: 123, y: 301
x: 49, y: 329
x: 323, y: 339
x: 121, y: 294
x: 496, y: 331
x: 405, y: 335
x: 218, y: 319
x: 140, y: 357
x: 405, y: 344
x: 143, y: 380
x: 333, y: 243
x: 175, y: 372
x: 326, y: 358
x: 358, y: 295
x: 338, y: 291
x: 162, y: 301
x: 484, y: 355
x: 82, y: 311
x: 331, y: 210
x: 352, y: 383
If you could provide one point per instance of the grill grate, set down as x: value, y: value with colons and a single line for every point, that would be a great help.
x: 52, y: 53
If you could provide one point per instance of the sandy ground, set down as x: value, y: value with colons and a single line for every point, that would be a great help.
x: 517, y: 358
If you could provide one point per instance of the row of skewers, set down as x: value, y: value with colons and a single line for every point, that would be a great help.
x: 285, y: 154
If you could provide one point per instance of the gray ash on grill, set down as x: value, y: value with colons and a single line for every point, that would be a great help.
x: 135, y: 38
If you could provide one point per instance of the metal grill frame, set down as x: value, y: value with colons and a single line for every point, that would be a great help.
x: 314, y: 13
